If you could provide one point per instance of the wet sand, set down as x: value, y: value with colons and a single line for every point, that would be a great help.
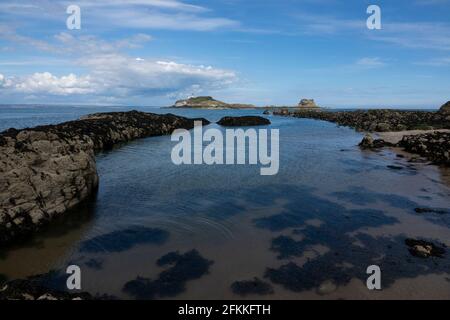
x: 396, y: 137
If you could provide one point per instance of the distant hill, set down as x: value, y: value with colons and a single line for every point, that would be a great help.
x: 209, y: 103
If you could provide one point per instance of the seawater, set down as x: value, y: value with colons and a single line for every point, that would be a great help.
x: 191, y: 231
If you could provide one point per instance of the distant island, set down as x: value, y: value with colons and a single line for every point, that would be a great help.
x: 209, y: 103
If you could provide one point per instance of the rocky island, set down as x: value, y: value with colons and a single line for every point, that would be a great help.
x: 209, y: 103
x: 47, y: 170
x: 308, y: 104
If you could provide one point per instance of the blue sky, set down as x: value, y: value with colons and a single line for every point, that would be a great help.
x: 266, y: 52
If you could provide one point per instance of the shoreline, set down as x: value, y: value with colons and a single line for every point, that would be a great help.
x: 49, y: 170
x: 98, y: 142
x: 424, y: 133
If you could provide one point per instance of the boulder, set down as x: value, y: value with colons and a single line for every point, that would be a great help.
x: 369, y: 143
x: 247, y: 121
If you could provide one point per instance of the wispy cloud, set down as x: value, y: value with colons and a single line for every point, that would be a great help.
x: 368, y: 62
x: 436, y: 62
x: 138, y: 14
x: 423, y: 35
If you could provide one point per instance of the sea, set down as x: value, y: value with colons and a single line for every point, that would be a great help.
x: 156, y: 230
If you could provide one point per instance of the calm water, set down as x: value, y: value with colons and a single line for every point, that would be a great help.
x: 190, y: 232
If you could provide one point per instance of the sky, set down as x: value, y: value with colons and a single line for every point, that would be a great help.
x: 264, y: 52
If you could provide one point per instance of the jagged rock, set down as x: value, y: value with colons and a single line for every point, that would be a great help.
x: 369, y: 143
x: 48, y: 170
x: 433, y: 146
x: 243, y: 121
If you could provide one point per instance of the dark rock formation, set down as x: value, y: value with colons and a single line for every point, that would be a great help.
x: 369, y: 143
x: 243, y: 121
x: 433, y: 146
x: 47, y: 170
x: 378, y: 120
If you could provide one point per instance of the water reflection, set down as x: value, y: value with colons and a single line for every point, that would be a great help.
x: 324, y: 218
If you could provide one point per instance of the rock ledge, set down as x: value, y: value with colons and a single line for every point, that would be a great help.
x: 47, y: 170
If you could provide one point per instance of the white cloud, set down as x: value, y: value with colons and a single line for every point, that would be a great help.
x: 48, y: 84
x: 163, y: 4
x: 119, y: 76
x: 138, y: 19
x: 123, y: 75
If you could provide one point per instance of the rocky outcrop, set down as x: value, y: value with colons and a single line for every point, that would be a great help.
x: 47, y: 170
x: 370, y: 143
x: 209, y: 103
x: 377, y: 120
x: 243, y: 121
x: 433, y: 146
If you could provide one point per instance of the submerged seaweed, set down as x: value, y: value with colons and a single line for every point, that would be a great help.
x: 95, y: 263
x: 348, y: 257
x: 171, y: 282
x: 123, y: 240
x: 255, y: 286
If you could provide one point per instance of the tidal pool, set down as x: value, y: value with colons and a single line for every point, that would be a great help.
x: 226, y: 232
